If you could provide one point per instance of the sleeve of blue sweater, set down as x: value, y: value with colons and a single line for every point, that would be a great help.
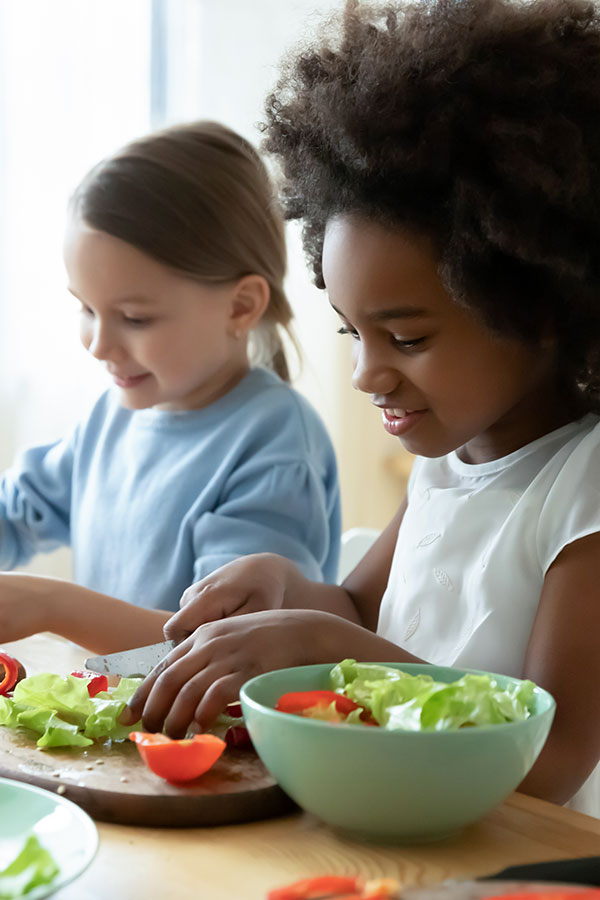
x: 281, y: 507
x: 35, y: 503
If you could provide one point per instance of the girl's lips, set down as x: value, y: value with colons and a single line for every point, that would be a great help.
x: 131, y: 382
x: 399, y: 424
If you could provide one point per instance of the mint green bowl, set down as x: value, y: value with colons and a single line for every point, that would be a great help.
x: 390, y: 786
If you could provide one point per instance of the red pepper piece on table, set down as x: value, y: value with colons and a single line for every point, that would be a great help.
x: 321, y: 886
x: 11, y: 671
x: 237, y: 736
x: 234, y: 710
x: 96, y: 682
x: 178, y: 761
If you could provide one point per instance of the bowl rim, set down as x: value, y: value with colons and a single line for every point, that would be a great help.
x: 277, y: 715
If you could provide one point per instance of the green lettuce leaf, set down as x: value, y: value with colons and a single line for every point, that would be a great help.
x: 60, y: 711
x: 33, y: 866
x: 398, y: 700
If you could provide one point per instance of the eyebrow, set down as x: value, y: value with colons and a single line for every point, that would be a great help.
x: 133, y: 298
x: 397, y: 312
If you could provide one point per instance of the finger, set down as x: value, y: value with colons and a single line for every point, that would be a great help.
x: 167, y: 686
x: 215, y: 698
x: 209, y: 603
x: 181, y: 714
x: 133, y: 711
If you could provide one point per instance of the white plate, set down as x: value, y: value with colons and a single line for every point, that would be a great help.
x: 60, y: 826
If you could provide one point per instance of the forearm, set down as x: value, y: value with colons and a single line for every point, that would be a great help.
x: 560, y: 770
x: 96, y: 621
x: 300, y: 593
x: 333, y: 639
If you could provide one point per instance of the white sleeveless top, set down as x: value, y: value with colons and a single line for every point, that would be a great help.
x: 474, y: 547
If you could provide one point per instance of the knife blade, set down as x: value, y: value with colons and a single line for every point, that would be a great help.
x: 138, y: 662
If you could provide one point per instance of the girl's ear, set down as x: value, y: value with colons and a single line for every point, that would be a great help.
x: 248, y: 304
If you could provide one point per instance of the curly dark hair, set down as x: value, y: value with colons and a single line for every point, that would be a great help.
x: 476, y: 122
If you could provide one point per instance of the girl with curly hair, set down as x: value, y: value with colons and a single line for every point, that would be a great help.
x: 444, y: 159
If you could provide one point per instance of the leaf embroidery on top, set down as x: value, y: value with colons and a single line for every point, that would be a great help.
x: 412, y: 625
x: 443, y: 579
x: 428, y: 539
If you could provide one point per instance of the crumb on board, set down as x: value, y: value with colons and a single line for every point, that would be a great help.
x: 123, y: 778
x: 61, y: 789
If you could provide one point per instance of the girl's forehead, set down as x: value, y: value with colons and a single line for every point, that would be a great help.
x: 362, y: 259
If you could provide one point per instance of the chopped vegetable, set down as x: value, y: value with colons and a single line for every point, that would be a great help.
x: 328, y: 705
x: 60, y: 711
x: 338, y: 887
x: 34, y: 866
x: 238, y: 736
x: 95, y: 683
x: 178, y: 761
x: 321, y: 886
x: 398, y: 700
x: 549, y: 894
x: 11, y: 671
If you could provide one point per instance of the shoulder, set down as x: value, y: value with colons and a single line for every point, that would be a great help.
x: 272, y: 407
x: 577, y: 462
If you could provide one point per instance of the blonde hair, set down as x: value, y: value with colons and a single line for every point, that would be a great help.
x: 198, y: 198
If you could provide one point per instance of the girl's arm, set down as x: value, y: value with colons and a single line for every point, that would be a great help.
x: 102, y: 624
x: 291, y: 622
x: 563, y: 656
x: 266, y: 581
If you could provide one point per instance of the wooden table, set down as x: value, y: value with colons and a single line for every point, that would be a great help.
x: 241, y: 862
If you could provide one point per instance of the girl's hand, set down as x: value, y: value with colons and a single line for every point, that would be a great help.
x: 203, y: 674
x: 248, y: 584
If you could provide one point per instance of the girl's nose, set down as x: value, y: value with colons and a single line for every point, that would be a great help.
x: 373, y: 375
x: 99, y: 341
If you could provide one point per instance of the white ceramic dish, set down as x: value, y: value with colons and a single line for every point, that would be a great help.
x: 60, y: 826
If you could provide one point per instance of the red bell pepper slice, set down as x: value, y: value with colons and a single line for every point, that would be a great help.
x: 237, y: 736
x: 549, y: 894
x: 300, y: 701
x: 338, y: 887
x: 11, y: 671
x: 178, y: 761
x: 234, y: 710
x: 96, y: 682
x: 321, y: 886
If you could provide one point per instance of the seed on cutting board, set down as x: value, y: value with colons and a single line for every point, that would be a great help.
x: 123, y: 778
x: 99, y: 762
x: 61, y: 789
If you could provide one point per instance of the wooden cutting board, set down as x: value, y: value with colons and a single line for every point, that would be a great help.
x: 112, y: 784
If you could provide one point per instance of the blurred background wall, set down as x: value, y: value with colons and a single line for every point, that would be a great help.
x: 78, y: 78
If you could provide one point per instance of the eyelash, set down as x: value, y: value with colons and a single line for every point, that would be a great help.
x: 129, y: 320
x: 401, y: 345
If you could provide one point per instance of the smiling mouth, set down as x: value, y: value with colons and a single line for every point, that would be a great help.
x: 397, y: 420
x: 126, y: 381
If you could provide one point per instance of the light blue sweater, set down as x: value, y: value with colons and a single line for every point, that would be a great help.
x: 152, y: 501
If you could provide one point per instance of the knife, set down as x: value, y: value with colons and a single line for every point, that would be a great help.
x: 138, y: 662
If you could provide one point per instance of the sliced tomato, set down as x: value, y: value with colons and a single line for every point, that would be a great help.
x: 178, y: 761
